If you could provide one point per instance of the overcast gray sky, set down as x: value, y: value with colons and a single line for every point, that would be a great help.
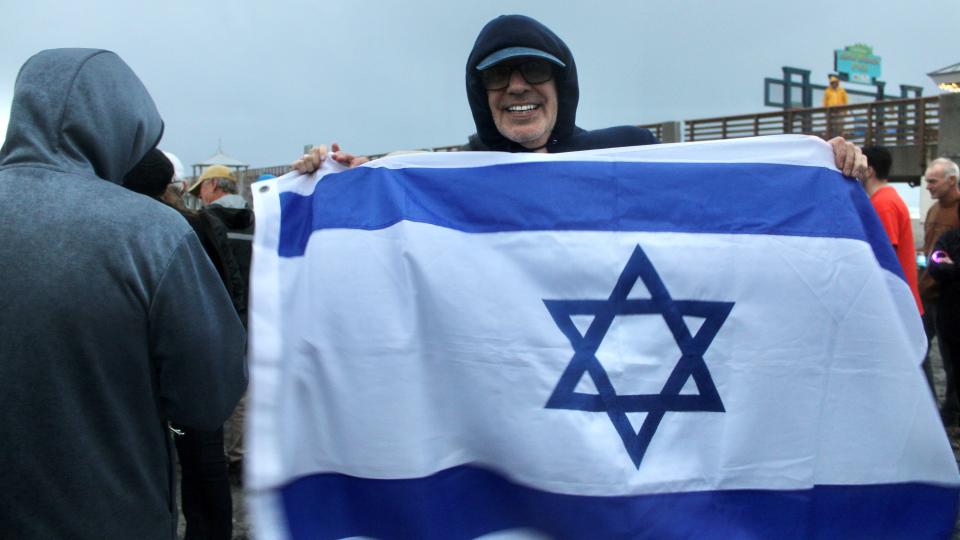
x: 269, y: 77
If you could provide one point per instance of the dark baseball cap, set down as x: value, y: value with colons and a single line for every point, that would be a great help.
x: 517, y: 52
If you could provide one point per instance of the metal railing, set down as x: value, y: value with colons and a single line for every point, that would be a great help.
x: 895, y: 122
x: 277, y: 170
x: 656, y: 129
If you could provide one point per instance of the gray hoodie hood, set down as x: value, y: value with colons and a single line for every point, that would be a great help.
x: 113, y: 321
x: 80, y: 111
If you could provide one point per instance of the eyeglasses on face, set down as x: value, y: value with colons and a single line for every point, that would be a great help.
x: 534, y: 71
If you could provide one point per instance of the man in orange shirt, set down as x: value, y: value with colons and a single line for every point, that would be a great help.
x: 893, y: 213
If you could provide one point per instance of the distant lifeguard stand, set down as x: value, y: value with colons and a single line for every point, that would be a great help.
x: 239, y: 167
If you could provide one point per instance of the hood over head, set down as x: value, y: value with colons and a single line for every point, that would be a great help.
x: 82, y: 111
x: 520, y: 31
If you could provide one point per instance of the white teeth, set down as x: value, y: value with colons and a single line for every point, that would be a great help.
x: 521, y: 108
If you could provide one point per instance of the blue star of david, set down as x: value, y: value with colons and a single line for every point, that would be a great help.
x: 690, y: 363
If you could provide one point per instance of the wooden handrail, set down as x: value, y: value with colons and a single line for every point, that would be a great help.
x: 908, y: 121
x: 854, y: 106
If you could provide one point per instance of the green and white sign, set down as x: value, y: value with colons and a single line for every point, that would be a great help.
x: 858, y: 62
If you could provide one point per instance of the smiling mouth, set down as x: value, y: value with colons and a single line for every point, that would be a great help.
x: 522, y: 108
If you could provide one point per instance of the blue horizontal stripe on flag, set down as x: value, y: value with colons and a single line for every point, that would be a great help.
x: 466, y: 502
x: 734, y: 198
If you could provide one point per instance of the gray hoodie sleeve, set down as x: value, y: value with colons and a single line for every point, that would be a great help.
x: 196, y: 340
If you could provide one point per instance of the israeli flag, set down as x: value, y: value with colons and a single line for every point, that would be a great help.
x: 707, y: 340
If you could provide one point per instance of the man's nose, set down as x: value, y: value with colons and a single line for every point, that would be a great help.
x: 517, y: 83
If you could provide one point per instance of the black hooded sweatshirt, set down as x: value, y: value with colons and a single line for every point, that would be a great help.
x: 520, y: 31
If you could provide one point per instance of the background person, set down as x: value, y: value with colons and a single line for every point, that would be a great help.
x: 217, y: 188
x: 217, y: 183
x: 204, y: 485
x: 893, y: 213
x: 943, y: 268
x: 177, y: 179
x: 835, y: 96
x: 941, y: 181
x: 113, y: 321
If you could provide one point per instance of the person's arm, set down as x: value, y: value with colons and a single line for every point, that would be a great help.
x: 196, y: 341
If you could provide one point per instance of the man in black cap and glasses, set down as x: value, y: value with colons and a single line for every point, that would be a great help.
x: 523, y: 91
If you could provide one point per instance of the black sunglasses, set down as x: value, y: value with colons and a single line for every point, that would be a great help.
x: 534, y: 71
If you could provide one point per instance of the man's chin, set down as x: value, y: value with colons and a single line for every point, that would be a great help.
x: 527, y: 139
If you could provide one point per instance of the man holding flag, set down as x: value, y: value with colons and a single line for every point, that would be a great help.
x: 448, y: 346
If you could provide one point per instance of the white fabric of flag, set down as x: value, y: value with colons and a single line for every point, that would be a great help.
x: 709, y: 340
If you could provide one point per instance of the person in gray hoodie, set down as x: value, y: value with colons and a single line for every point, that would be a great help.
x: 113, y: 322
